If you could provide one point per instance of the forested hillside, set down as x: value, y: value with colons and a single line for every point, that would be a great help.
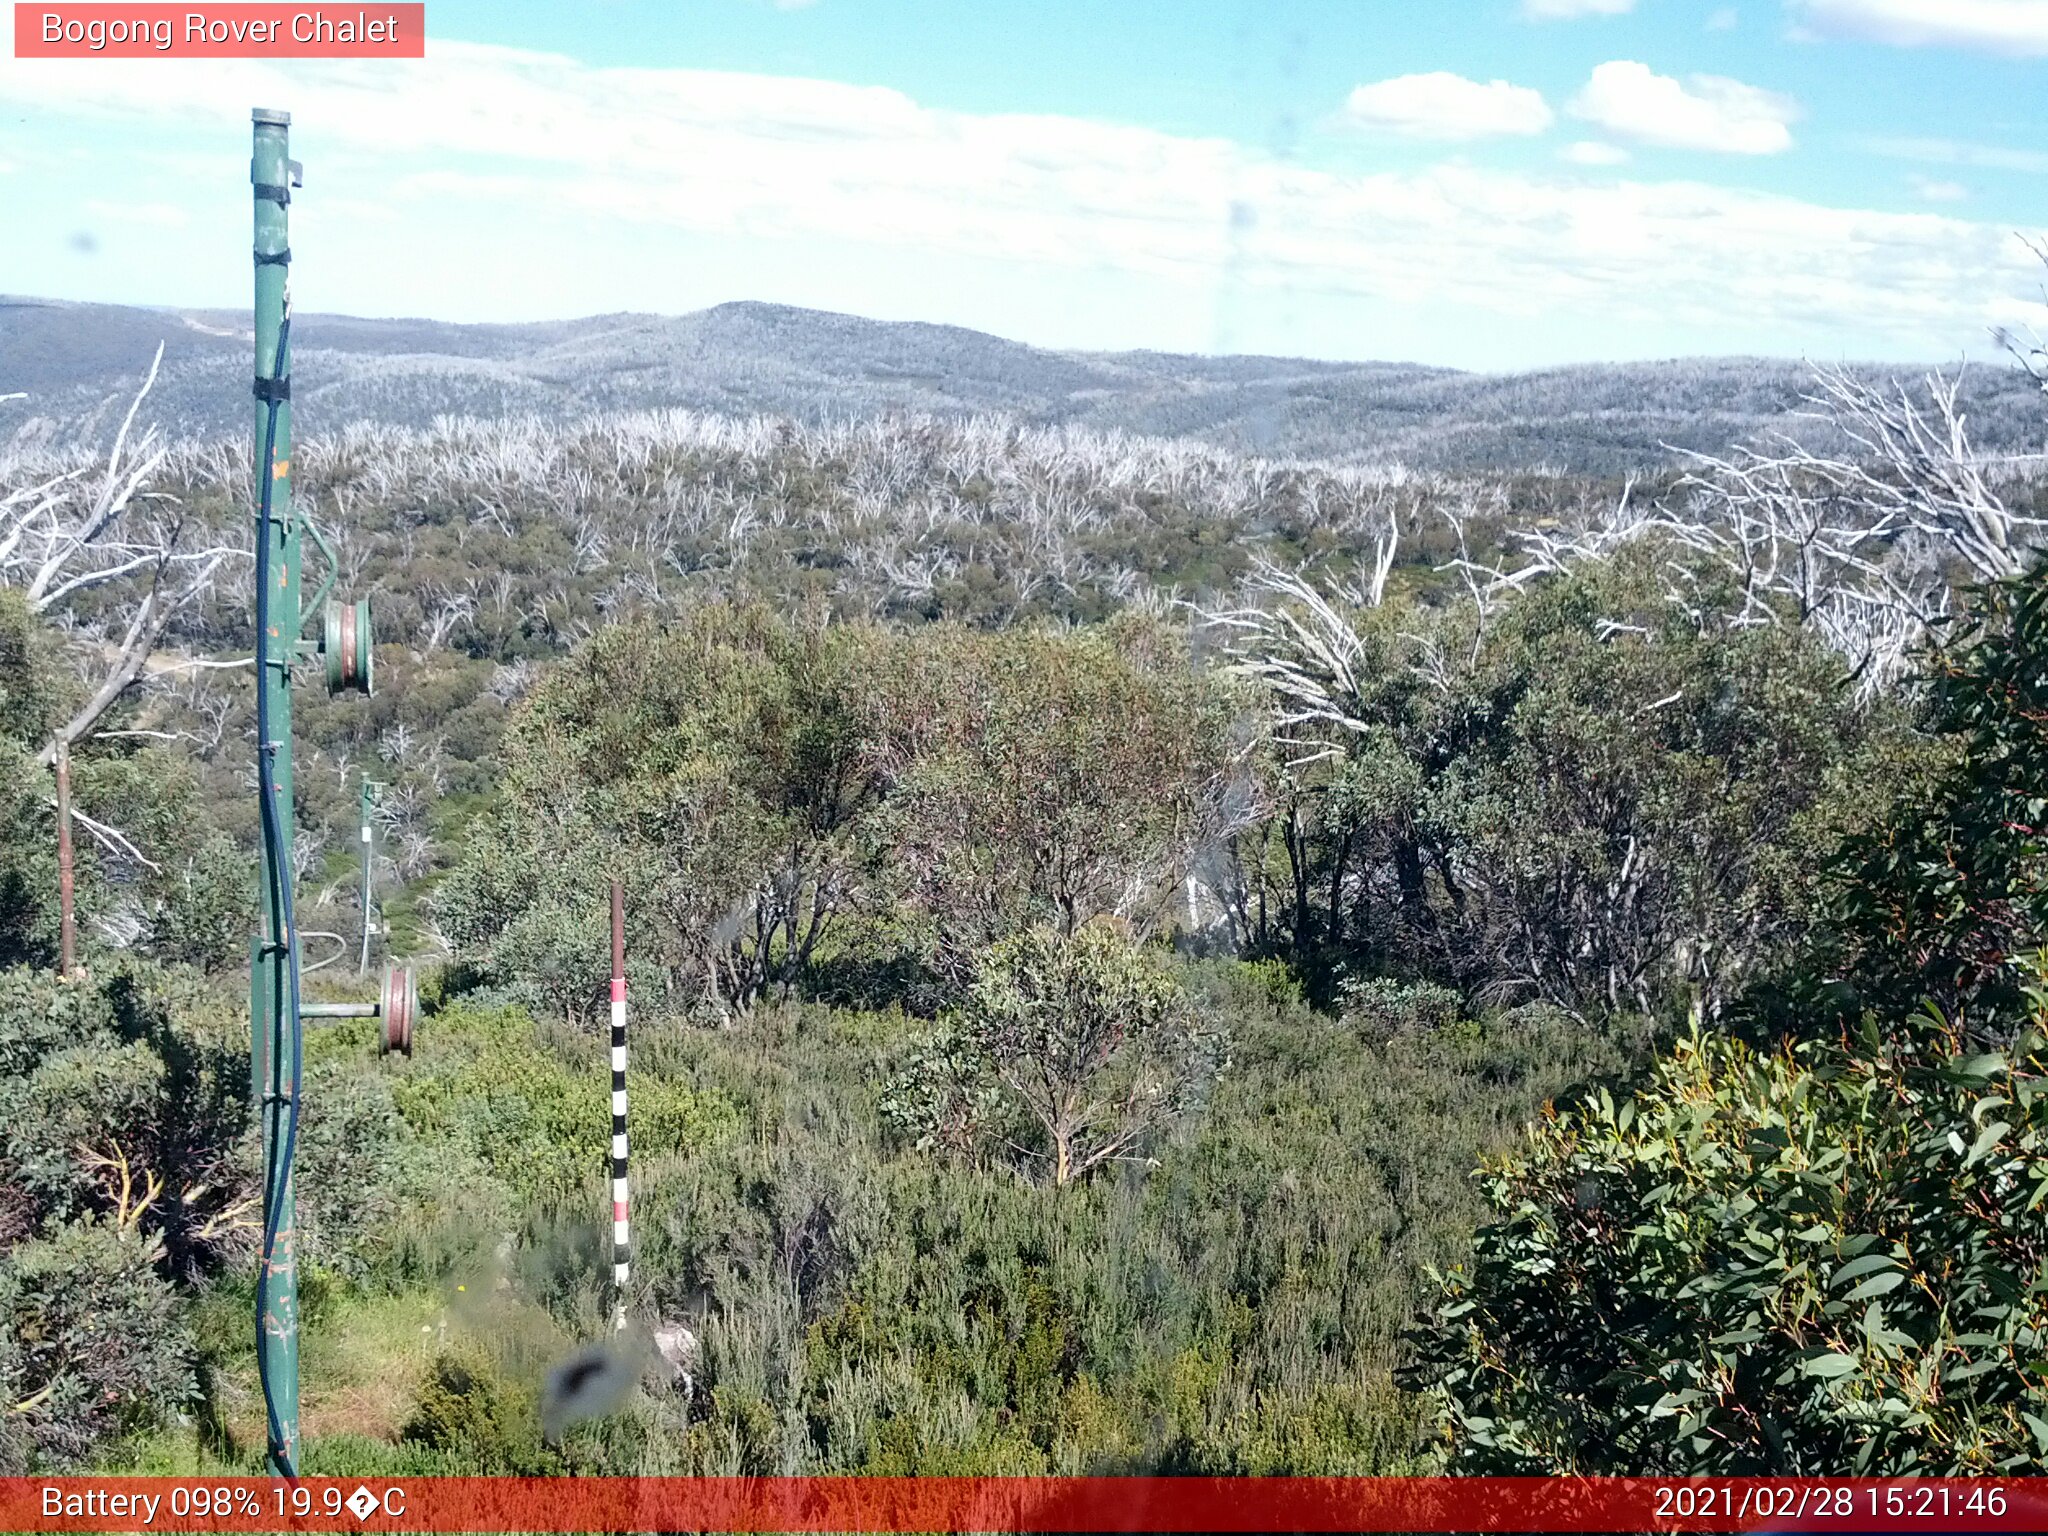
x: 1092, y: 903
x: 822, y: 369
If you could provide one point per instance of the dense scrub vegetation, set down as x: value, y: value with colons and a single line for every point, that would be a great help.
x: 124, y: 1101
x: 1821, y: 1259
x: 1825, y: 1254
x: 1078, y: 962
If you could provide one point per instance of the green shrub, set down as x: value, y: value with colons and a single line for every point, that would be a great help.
x: 865, y: 1307
x: 1086, y: 1038
x: 1947, y: 899
x: 1824, y: 1260
x: 80, y: 1102
x: 139, y: 1074
x: 1046, y: 776
x: 1595, y: 797
x: 1384, y: 1008
x: 490, y: 1090
x: 99, y: 1345
x: 379, y: 1203
x: 480, y: 1420
x: 204, y: 916
x: 719, y: 764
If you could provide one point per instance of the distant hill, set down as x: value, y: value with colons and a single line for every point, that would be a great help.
x: 78, y: 363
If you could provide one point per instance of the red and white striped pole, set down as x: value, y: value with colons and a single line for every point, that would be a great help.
x: 622, y: 1247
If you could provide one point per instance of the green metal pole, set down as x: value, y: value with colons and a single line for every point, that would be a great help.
x: 271, y: 1025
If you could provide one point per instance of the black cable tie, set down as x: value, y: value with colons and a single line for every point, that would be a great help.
x: 271, y: 192
x: 281, y: 258
x: 270, y: 391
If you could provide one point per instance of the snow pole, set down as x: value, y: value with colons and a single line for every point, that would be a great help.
x: 622, y: 1247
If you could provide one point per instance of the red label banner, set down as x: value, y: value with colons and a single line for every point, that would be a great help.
x: 1035, y: 1504
x: 71, y: 31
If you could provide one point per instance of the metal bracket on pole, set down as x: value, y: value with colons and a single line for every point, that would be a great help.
x: 398, y: 1006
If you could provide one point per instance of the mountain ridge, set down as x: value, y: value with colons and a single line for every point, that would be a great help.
x: 77, y: 361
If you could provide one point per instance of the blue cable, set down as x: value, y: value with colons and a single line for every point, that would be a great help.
x: 281, y: 914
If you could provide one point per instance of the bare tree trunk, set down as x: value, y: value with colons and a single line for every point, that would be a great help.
x: 1337, y: 889
x: 144, y: 630
x: 67, y: 919
x: 1298, y: 871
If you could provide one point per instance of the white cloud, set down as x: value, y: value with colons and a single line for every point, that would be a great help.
x: 1448, y: 107
x: 567, y: 173
x: 1997, y: 26
x: 1724, y: 19
x: 1990, y: 157
x: 1936, y: 191
x: 1566, y: 10
x: 1594, y: 152
x: 1709, y: 113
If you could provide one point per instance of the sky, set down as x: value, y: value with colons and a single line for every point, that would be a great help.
x: 1487, y: 184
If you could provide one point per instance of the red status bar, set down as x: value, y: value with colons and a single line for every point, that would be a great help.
x: 1023, y: 1504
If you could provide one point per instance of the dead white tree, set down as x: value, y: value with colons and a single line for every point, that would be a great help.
x: 94, y: 529
x: 1291, y: 637
x: 449, y: 610
x: 79, y: 531
x: 1865, y: 546
x: 2029, y: 351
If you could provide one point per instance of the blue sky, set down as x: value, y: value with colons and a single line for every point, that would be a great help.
x: 1494, y: 184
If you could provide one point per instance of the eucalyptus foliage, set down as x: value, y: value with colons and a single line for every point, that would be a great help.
x: 1826, y: 1259
x: 1088, y: 1040
x: 1588, y: 795
x: 1948, y: 898
x: 1827, y: 1256
x: 764, y: 783
x: 714, y: 766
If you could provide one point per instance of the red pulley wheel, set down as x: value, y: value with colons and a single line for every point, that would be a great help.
x: 400, y: 1006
